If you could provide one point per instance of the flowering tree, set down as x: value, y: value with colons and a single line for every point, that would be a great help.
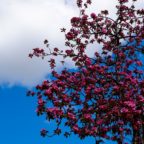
x: 104, y: 96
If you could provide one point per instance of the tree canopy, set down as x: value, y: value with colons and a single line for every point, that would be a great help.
x: 104, y: 96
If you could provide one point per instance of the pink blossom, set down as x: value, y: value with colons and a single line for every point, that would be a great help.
x: 75, y: 128
x: 93, y: 15
x: 71, y: 116
x: 87, y: 116
x: 124, y: 110
x: 130, y: 104
x: 104, y: 30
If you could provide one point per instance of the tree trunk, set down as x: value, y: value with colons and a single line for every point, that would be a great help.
x: 143, y: 134
x: 135, y: 137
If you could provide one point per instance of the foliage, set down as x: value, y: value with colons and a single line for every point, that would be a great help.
x: 104, y: 96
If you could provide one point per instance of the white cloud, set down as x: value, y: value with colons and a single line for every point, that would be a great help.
x: 24, y: 25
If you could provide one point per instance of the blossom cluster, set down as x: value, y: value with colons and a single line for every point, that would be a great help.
x: 104, y: 96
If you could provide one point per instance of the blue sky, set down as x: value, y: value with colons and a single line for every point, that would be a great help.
x: 19, y: 123
x: 24, y: 25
